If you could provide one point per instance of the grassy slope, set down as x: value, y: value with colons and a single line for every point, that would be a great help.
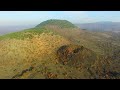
x: 31, y: 53
x: 37, y: 47
x: 100, y: 42
x: 24, y: 34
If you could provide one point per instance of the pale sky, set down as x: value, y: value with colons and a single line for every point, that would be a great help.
x: 36, y: 17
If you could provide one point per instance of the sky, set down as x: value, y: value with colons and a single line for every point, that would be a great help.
x: 36, y: 17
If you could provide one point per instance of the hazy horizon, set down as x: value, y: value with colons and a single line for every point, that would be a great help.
x: 13, y: 28
x: 11, y: 21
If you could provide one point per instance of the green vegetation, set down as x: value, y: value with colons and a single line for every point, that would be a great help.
x: 59, y: 23
x: 28, y: 33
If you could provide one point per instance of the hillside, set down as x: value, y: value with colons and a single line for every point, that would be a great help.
x: 100, y: 42
x: 101, y: 26
x: 52, y: 50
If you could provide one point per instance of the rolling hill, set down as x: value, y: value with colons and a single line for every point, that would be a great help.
x: 57, y: 49
x: 56, y: 22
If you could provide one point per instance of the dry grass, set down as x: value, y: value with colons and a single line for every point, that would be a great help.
x: 37, y: 49
x: 17, y: 55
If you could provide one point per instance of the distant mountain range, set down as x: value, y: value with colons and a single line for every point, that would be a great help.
x: 101, y: 26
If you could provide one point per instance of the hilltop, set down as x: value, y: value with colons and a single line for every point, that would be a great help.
x: 56, y: 22
x: 56, y: 49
